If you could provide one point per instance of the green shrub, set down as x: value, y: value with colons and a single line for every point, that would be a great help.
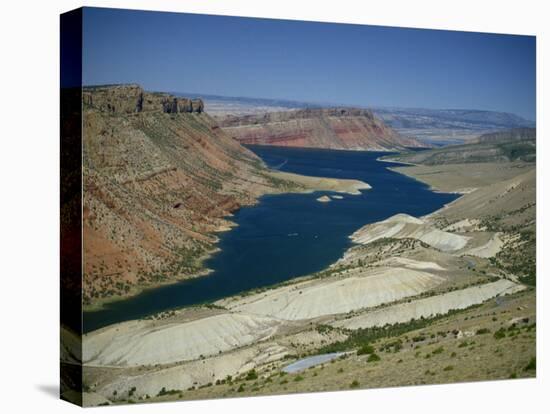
x: 164, y: 391
x: 532, y: 365
x: 448, y: 368
x: 365, y: 350
x: 373, y: 358
x: 251, y: 375
x: 354, y: 384
x: 357, y: 338
x: 483, y: 331
x: 499, y: 334
x: 438, y: 350
x: 298, y: 378
x: 241, y: 388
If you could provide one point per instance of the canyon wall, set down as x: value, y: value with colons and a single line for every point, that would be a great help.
x: 331, y: 128
x: 131, y: 98
x: 159, y: 180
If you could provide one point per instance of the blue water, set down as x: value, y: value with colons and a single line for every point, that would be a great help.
x: 287, y: 235
x: 311, y: 361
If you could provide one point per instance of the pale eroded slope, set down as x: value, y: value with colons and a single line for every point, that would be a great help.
x: 141, y: 343
x: 431, y: 306
x: 404, y: 226
x: 319, y: 297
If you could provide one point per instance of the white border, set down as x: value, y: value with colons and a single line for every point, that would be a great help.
x: 29, y: 203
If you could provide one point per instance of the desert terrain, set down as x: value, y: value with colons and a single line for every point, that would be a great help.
x: 161, y: 179
x: 447, y: 297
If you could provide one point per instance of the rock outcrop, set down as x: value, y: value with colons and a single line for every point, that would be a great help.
x: 332, y: 128
x: 403, y: 226
x: 157, y: 188
x: 127, y: 99
x: 514, y: 134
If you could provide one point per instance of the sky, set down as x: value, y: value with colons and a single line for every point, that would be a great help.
x: 310, y: 62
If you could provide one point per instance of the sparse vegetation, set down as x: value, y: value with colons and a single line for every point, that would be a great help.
x: 251, y: 375
x: 501, y: 333
x: 373, y: 358
x: 532, y: 365
x: 365, y: 349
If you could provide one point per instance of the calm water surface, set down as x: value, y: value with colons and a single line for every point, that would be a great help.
x: 288, y: 235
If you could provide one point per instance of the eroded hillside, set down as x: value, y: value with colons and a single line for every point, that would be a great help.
x: 503, y: 146
x: 434, y: 299
x: 426, y: 299
x: 331, y: 128
x: 160, y: 178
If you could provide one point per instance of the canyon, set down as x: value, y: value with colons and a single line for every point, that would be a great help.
x: 329, y: 128
x: 161, y: 179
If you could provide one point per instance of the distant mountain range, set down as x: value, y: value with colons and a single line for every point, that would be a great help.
x: 433, y: 126
x: 449, y: 126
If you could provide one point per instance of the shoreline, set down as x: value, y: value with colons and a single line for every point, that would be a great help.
x: 309, y: 184
x: 312, y: 184
x: 388, y: 150
x: 430, y: 294
x: 461, y: 191
x: 316, y: 184
x: 433, y: 189
x: 101, y: 304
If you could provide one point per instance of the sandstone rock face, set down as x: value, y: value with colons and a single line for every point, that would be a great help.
x: 127, y: 99
x: 185, y: 105
x: 157, y: 188
x: 332, y: 128
x: 197, y: 105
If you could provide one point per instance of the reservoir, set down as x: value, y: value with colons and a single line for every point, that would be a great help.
x: 287, y: 235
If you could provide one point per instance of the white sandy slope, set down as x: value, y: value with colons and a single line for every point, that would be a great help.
x: 489, y: 249
x: 404, y: 226
x: 183, y: 376
x: 316, y: 298
x: 431, y: 306
x: 92, y: 399
x: 146, y: 342
x: 410, y: 263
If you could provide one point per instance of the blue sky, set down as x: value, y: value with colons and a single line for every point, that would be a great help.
x: 313, y: 62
